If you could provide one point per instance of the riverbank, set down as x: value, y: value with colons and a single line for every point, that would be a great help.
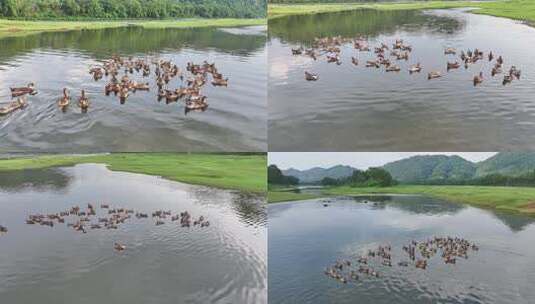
x: 288, y: 196
x: 10, y: 28
x: 516, y: 199
x: 242, y: 172
x: 523, y: 10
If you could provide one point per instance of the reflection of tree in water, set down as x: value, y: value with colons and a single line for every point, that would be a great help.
x: 250, y: 208
x: 134, y: 40
x: 365, y: 22
x: 431, y: 206
x: 411, y: 204
x: 515, y: 222
x: 34, y: 179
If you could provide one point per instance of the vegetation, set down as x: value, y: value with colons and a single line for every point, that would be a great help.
x: 275, y: 196
x: 13, y: 28
x: 425, y: 168
x: 116, y: 9
x: 373, y: 177
x: 275, y: 177
x: 501, y: 198
x: 244, y: 172
x: 515, y: 9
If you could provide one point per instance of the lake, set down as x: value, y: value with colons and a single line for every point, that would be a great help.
x: 225, y: 262
x: 235, y: 119
x: 355, y: 108
x: 306, y: 237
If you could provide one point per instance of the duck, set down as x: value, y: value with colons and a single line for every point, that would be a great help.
x: 123, y: 94
x: 64, y: 101
x: 119, y: 247
x: 434, y: 74
x: 450, y: 51
x: 514, y: 72
x: 197, y: 103
x: 478, y: 79
x: 220, y: 82
x: 422, y: 264
x: 499, y: 60
x: 311, y: 76
x: 354, y: 61
x: 393, y: 68
x: 415, y: 68
x: 297, y: 51
x: 491, y: 56
x: 3, y: 229
x: 171, y: 96
x: 372, y: 63
x: 140, y: 86
x: 20, y: 103
x: 495, y: 70
x: 83, y: 102
x: 452, y: 65
x: 29, y: 89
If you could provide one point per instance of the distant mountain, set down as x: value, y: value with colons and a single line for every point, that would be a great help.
x: 423, y: 168
x: 433, y: 168
x: 507, y: 163
x: 317, y: 174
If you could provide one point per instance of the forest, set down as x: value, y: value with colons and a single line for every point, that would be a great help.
x: 131, y: 9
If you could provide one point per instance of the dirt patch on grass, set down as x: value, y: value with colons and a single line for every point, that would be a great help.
x: 14, y: 29
x: 528, y: 208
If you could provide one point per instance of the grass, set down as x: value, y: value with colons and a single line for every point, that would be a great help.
x: 9, y: 28
x: 515, y: 9
x: 275, y: 196
x: 228, y: 171
x: 518, y: 199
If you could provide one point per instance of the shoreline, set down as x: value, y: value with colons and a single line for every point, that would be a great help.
x: 224, y: 171
x: 17, y: 28
x: 509, y: 199
x: 522, y: 10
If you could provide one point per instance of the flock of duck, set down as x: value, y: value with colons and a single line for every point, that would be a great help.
x: 189, y: 91
x: 418, y: 254
x: 83, y: 220
x: 387, y: 56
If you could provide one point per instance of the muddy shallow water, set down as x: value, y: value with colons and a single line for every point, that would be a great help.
x: 234, y: 121
x: 224, y: 263
x: 306, y: 237
x: 358, y: 108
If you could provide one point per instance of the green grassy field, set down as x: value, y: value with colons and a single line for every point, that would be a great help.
x: 519, y: 199
x: 228, y: 171
x: 10, y: 28
x: 514, y: 9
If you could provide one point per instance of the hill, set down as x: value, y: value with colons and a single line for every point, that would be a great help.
x: 317, y: 174
x: 425, y: 168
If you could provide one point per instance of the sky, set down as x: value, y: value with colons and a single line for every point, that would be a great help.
x: 359, y: 160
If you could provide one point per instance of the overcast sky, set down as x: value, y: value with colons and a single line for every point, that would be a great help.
x: 359, y: 160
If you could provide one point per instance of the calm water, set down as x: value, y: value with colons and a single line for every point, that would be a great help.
x: 305, y: 238
x: 234, y: 121
x: 224, y: 263
x: 358, y: 108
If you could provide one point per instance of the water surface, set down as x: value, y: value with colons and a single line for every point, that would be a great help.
x: 306, y: 237
x: 224, y: 263
x: 358, y: 108
x: 234, y: 121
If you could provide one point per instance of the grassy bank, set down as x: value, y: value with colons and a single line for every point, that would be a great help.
x: 519, y: 199
x: 515, y: 9
x: 287, y: 196
x: 10, y: 28
x: 240, y: 172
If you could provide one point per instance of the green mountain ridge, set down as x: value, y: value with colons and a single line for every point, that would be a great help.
x: 433, y: 168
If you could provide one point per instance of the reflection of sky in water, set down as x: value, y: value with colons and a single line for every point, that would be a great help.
x: 305, y: 237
